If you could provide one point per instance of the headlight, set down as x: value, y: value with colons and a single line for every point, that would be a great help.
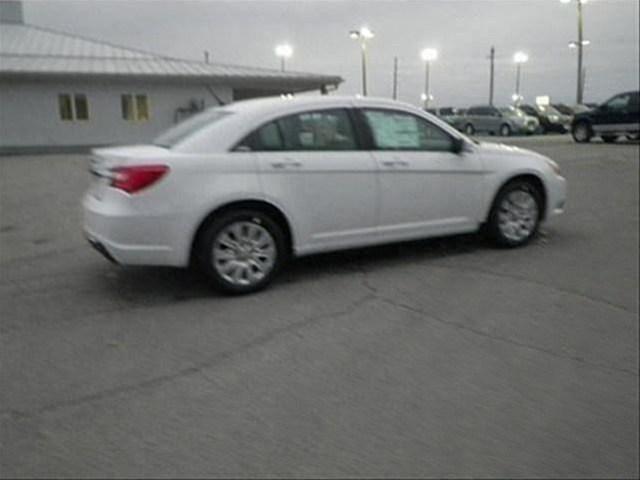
x: 553, y: 118
x: 554, y: 166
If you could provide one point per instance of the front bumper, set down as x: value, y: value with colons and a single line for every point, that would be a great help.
x: 556, y: 196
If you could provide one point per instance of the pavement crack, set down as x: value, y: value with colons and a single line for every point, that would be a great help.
x: 197, y: 368
x: 540, y: 284
x: 508, y: 340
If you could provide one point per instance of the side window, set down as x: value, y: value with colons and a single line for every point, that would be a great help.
x: 619, y: 103
x: 393, y: 130
x: 634, y: 103
x: 264, y: 139
x: 327, y: 130
x: 268, y: 137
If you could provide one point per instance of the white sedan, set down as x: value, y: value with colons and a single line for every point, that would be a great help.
x: 240, y: 188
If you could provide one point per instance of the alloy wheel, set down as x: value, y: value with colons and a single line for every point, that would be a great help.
x: 517, y: 215
x: 244, y: 253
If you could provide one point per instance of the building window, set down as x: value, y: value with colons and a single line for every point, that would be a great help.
x: 135, y: 108
x: 73, y: 106
x: 81, y: 106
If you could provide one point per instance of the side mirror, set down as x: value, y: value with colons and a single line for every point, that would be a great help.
x: 457, y: 145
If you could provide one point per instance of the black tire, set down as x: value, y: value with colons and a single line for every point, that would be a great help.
x: 493, y: 228
x: 469, y: 130
x: 631, y: 136
x: 609, y: 138
x: 582, y: 132
x: 204, y: 249
x: 505, y: 130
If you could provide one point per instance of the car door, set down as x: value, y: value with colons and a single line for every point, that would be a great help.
x: 312, y: 165
x: 425, y: 188
x: 495, y: 118
x: 614, y: 115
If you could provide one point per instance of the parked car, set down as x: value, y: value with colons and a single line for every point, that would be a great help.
x: 618, y: 116
x: 550, y: 119
x: 505, y: 121
x: 564, y: 109
x: 238, y: 189
x: 450, y: 115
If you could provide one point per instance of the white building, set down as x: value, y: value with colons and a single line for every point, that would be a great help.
x: 61, y: 91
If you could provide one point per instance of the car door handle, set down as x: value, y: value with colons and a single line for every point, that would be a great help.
x: 395, y: 163
x: 286, y: 164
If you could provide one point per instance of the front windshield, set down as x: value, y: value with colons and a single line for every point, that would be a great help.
x: 182, y: 130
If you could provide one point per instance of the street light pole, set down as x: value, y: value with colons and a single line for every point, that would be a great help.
x: 364, y: 68
x: 426, y: 84
x: 283, y: 51
x: 428, y: 55
x: 492, y: 56
x: 362, y: 36
x: 519, y: 58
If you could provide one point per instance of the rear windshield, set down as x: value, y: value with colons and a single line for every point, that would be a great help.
x: 179, y: 132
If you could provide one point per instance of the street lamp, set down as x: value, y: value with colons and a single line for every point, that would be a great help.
x: 362, y: 36
x: 579, y: 44
x: 283, y: 51
x: 428, y: 55
x: 519, y: 58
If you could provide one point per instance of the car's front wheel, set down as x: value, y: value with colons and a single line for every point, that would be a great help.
x: 241, y: 251
x: 505, y: 130
x: 581, y: 132
x: 515, y: 214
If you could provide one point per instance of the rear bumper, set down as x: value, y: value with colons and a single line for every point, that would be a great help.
x: 126, y: 237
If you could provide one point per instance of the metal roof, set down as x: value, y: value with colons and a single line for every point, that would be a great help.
x: 36, y: 51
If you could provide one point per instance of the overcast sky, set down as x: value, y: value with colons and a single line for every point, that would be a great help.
x: 246, y: 32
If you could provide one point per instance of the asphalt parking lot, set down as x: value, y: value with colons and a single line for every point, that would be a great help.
x: 445, y: 357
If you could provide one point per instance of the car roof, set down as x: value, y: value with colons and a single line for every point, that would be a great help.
x: 276, y: 104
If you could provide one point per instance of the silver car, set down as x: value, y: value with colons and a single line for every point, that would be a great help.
x: 504, y: 121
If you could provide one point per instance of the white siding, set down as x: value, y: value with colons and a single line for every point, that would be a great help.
x: 29, y: 115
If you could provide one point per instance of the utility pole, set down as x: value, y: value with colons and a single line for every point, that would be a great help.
x: 492, y: 57
x: 395, y: 78
x: 580, y: 90
x: 206, y: 56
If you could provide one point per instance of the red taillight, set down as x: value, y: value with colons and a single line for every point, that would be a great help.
x: 135, y: 178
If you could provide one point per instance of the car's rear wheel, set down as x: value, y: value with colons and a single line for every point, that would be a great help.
x: 609, y: 138
x: 505, y: 130
x: 581, y: 132
x: 469, y: 130
x: 515, y: 214
x: 241, y: 251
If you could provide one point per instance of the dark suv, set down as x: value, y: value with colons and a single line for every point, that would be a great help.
x: 617, y: 116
